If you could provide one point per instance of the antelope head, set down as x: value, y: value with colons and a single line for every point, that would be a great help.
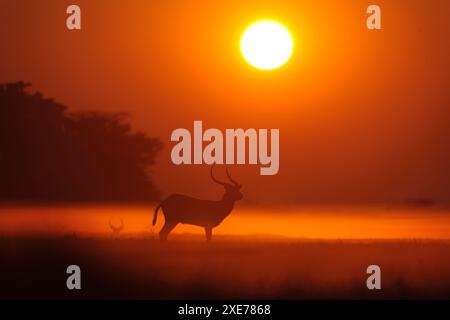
x: 232, y: 190
x: 116, y: 229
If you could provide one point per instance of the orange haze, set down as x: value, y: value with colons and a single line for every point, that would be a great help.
x: 311, y: 223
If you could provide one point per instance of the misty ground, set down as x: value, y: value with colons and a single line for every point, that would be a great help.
x: 231, y: 267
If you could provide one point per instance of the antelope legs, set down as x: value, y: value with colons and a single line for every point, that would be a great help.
x: 168, y: 226
x: 208, y: 233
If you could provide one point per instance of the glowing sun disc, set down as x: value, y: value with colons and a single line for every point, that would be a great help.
x: 267, y: 45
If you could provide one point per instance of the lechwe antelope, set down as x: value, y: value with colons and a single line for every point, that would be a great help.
x: 116, y: 229
x: 178, y: 208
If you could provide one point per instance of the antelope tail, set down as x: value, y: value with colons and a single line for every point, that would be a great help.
x: 155, y: 216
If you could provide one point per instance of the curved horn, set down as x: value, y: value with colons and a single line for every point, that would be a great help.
x: 116, y: 228
x: 121, y: 224
x: 215, y: 180
x: 231, y: 179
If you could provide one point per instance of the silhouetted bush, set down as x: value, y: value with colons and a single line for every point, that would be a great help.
x: 49, y: 154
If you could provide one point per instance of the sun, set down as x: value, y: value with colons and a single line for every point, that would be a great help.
x: 267, y: 45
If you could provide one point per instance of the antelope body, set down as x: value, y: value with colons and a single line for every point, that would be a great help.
x: 208, y: 214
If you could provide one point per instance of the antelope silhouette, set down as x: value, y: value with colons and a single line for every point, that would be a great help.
x: 116, y: 229
x: 178, y: 208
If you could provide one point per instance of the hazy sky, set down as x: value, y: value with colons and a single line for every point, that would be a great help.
x: 363, y: 115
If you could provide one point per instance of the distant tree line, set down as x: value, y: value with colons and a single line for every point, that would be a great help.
x: 50, y: 154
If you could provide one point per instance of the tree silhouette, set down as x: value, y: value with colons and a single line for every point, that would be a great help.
x: 49, y: 154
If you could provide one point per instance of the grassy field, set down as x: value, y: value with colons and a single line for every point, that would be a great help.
x: 230, y: 267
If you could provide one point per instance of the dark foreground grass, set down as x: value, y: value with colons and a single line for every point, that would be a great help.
x: 229, y: 268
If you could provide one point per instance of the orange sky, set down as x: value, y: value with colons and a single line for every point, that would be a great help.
x: 363, y: 115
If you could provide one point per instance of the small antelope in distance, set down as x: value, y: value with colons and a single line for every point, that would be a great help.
x: 178, y: 208
x: 116, y: 229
